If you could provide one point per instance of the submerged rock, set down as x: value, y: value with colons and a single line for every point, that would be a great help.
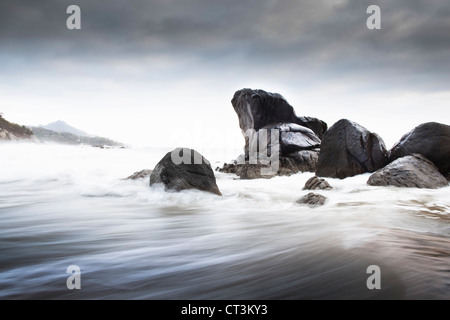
x: 430, y: 139
x: 183, y: 169
x: 349, y: 149
x: 312, y: 200
x: 315, y: 183
x: 414, y: 171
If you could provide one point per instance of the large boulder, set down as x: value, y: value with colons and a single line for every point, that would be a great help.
x: 258, y: 108
x: 262, y: 115
x: 183, y: 169
x: 430, y: 139
x: 349, y: 149
x: 414, y: 171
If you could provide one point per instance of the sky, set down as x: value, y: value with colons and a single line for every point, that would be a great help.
x: 163, y: 72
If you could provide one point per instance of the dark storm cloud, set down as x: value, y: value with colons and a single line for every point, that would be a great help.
x: 323, y: 36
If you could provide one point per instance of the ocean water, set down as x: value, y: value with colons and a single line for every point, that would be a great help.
x: 66, y: 205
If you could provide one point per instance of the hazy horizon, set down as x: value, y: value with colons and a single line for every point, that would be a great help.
x: 162, y: 73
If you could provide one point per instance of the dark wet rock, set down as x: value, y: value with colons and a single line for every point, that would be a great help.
x: 312, y: 200
x: 349, y: 149
x: 295, y: 145
x: 430, y: 139
x: 193, y: 172
x: 414, y: 171
x: 140, y: 174
x: 292, y: 138
x: 258, y: 108
x: 315, y: 183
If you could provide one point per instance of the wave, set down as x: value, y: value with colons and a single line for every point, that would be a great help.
x: 65, y: 205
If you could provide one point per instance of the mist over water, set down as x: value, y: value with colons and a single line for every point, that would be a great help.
x: 65, y: 205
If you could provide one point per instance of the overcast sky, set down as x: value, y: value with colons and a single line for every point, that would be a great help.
x: 163, y: 72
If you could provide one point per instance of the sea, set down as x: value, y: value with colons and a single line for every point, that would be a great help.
x: 65, y: 206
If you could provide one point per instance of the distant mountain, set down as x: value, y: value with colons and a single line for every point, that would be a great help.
x: 12, y: 131
x: 46, y: 135
x: 61, y: 126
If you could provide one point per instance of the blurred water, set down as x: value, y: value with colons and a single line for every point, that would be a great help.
x: 65, y: 205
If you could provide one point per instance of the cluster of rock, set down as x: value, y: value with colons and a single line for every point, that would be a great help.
x: 313, y: 199
x: 420, y: 159
x: 273, y: 132
x: 297, y: 140
x: 344, y: 150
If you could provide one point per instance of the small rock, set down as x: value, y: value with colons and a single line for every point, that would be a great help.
x: 140, y: 174
x: 312, y: 200
x: 253, y: 171
x: 315, y: 183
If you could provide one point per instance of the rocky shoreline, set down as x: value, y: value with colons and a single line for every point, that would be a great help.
x: 13, y: 132
x: 344, y: 150
x: 420, y: 159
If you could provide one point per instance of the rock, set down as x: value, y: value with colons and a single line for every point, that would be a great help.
x: 312, y: 200
x: 192, y: 172
x: 7, y: 136
x: 430, y: 139
x: 140, y: 174
x: 315, y: 183
x: 10, y: 131
x: 414, y: 171
x: 292, y: 137
x: 253, y: 171
x: 298, y: 142
x: 349, y: 149
x: 301, y: 161
x: 258, y: 108
x: 229, y: 167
